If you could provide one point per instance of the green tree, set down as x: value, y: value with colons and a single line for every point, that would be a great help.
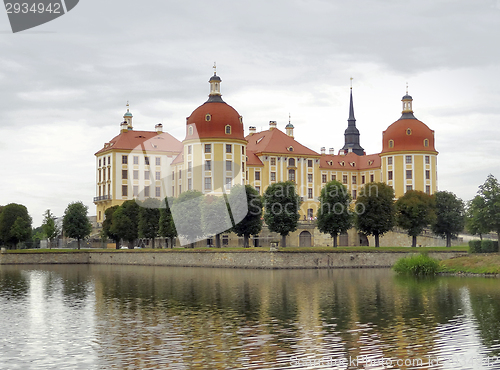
x: 215, y: 217
x: 107, y: 224
x: 375, y: 210
x: 334, y: 215
x: 490, y: 192
x: 450, y: 216
x: 252, y: 222
x: 166, y: 222
x: 186, y: 211
x: 49, y: 226
x: 75, y: 222
x: 125, y: 222
x: 282, y: 204
x: 476, y: 217
x: 37, y: 236
x: 415, y: 211
x: 149, y: 218
x: 15, y: 224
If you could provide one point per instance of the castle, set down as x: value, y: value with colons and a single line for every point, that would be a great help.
x: 215, y: 155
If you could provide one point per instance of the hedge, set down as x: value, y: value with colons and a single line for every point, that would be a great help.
x: 483, y: 246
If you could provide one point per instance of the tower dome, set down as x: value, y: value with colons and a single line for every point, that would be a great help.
x: 215, y: 118
x: 408, y: 133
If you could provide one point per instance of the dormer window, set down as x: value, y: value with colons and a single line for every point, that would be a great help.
x: 228, y: 129
x: 391, y: 143
x: 342, y: 163
x: 190, y: 130
x: 241, y: 119
x: 208, y: 117
x: 290, y: 148
x: 426, y: 142
x: 408, y: 131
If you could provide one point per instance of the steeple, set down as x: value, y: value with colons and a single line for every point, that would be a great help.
x: 289, y: 127
x: 351, y: 134
x: 128, y: 118
x: 407, y: 100
x: 215, y: 95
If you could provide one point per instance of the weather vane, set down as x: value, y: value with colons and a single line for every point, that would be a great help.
x: 407, y: 88
x: 351, y: 82
x: 215, y: 69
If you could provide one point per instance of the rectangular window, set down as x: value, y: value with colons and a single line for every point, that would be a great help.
x: 190, y: 166
x: 173, y: 175
x: 225, y: 240
x: 334, y: 177
x: 208, y: 183
x: 208, y: 148
x: 310, y: 214
x: 389, y: 161
x: 229, y: 166
x: 291, y: 175
x: 229, y: 148
x: 309, y: 163
x: 257, y: 188
x: 428, y: 189
x: 408, y: 159
x: 243, y: 167
x: 99, y: 175
x: 372, y: 178
x: 136, y: 159
x: 146, y: 191
x: 180, y: 189
x: 389, y: 175
x: 124, y: 159
x: 409, y: 187
x: 243, y: 150
x: 228, y: 183
x: 158, y: 161
x: 190, y: 184
x: 323, y: 179
x: 309, y: 177
x: 273, y: 176
x: 273, y: 161
x: 257, y: 175
x: 109, y: 173
x: 354, y: 180
x: 146, y: 161
x: 135, y: 190
x: 190, y: 149
x: 99, y: 163
x: 427, y: 159
x: 146, y: 175
x: 408, y: 174
x: 208, y: 165
x: 354, y: 194
x: 427, y: 174
x: 124, y: 191
x: 103, y: 174
x: 362, y: 179
x: 157, y: 191
x: 180, y: 175
x: 124, y: 174
x: 344, y: 179
x: 309, y: 193
x: 136, y: 175
x: 158, y: 175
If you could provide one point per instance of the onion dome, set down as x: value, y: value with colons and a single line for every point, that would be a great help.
x: 408, y: 133
x: 215, y: 118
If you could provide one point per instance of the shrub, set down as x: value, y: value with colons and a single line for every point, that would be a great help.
x: 475, y: 246
x: 417, y: 265
x: 489, y: 246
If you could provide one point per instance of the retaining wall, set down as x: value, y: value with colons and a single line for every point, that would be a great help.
x: 258, y: 260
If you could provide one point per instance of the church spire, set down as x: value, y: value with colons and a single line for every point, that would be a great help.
x: 215, y: 95
x: 351, y: 134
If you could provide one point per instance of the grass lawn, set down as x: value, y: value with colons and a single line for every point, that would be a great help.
x: 488, y: 263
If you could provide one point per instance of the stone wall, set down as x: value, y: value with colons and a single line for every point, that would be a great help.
x: 261, y: 260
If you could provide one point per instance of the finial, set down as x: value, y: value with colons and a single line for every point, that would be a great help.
x: 127, y: 106
x: 351, y: 82
x: 289, y: 118
x: 407, y: 88
x: 215, y: 69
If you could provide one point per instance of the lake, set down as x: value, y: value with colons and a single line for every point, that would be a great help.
x: 144, y: 317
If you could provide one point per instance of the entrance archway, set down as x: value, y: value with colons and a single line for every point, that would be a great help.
x: 305, y: 239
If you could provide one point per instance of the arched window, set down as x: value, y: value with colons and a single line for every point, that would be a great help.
x: 228, y: 129
x: 208, y: 117
x: 426, y: 142
x: 391, y: 143
x: 190, y: 130
x: 291, y: 162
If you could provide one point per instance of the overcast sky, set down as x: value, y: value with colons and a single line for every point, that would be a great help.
x: 64, y: 85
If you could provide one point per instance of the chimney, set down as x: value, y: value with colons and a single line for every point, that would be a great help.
x: 272, y: 125
x: 323, y: 149
x: 159, y: 128
x: 332, y: 152
x: 252, y: 130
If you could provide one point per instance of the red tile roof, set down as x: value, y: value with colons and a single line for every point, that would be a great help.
x: 408, y: 134
x: 349, y: 162
x: 253, y: 160
x: 276, y: 142
x: 178, y: 159
x: 143, y: 140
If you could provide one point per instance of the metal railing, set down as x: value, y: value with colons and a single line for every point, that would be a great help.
x: 102, y: 197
